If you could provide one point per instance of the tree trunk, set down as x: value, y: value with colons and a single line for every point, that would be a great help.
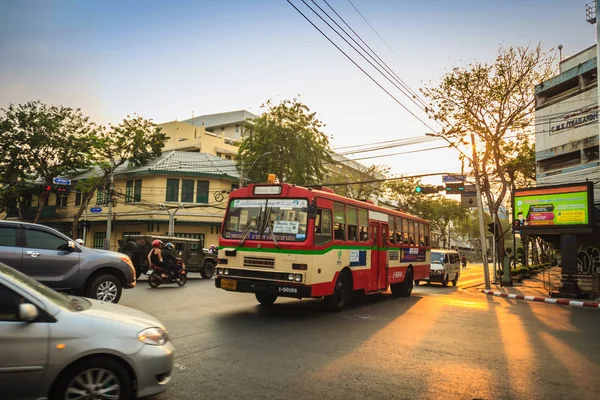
x: 42, y: 201
x: 85, y: 201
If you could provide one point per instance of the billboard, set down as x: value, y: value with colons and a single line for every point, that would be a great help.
x: 564, y: 206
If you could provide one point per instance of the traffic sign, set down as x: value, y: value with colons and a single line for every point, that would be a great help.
x: 468, y: 200
x: 96, y: 209
x: 453, y: 178
x: 61, y: 181
x: 470, y: 189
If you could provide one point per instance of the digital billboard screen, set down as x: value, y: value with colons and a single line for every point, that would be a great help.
x: 553, y: 206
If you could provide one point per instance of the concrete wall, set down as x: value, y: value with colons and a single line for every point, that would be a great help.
x: 187, y: 137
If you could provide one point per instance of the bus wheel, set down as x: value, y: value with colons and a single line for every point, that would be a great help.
x: 341, y: 294
x: 266, y: 299
x: 404, y: 289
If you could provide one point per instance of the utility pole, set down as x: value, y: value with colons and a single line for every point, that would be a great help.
x: 109, y: 197
x: 486, y: 271
x: 241, y: 173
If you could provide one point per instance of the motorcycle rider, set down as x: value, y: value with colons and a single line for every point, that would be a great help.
x: 169, y: 258
x: 155, y: 255
x: 463, y: 261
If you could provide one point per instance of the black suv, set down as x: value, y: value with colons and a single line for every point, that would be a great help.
x: 195, y: 258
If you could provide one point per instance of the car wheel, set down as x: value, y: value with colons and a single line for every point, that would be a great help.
x: 342, y: 292
x: 266, y: 299
x: 405, y: 288
x: 445, y: 281
x: 208, y: 270
x: 105, y: 288
x: 94, y: 378
x: 455, y: 280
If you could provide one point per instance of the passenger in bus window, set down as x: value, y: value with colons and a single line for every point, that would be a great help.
x: 352, y: 233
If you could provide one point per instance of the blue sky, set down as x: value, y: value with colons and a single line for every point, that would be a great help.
x: 168, y: 59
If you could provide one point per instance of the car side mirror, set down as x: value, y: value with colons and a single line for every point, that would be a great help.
x: 28, y: 312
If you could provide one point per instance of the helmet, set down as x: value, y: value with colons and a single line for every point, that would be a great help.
x: 169, y: 246
x: 157, y: 243
x: 80, y: 242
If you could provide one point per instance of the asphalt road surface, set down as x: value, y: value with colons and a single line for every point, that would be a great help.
x: 441, y: 343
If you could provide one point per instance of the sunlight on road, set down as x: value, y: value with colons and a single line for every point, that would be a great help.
x: 518, y: 353
x: 576, y: 365
x: 466, y: 304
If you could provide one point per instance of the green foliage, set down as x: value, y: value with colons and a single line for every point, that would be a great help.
x: 40, y: 142
x: 348, y: 173
x: 484, y: 104
x: 299, y: 151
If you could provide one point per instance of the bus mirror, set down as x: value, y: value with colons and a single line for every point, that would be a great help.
x: 312, y: 211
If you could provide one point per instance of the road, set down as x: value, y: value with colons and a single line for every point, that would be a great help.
x: 439, y: 343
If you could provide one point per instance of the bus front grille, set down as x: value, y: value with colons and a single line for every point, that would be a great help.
x: 266, y: 275
x: 259, y: 262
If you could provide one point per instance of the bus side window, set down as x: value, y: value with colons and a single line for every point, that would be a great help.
x: 398, y: 233
x: 426, y: 227
x: 405, y: 229
x: 363, y: 222
x: 323, y: 226
x: 339, y: 221
x: 391, y: 228
x: 352, y: 214
x: 421, y: 234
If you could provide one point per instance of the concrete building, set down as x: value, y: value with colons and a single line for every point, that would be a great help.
x: 566, y: 123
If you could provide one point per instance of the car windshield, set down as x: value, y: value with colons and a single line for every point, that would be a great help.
x: 260, y: 219
x: 437, y: 258
x: 58, y: 299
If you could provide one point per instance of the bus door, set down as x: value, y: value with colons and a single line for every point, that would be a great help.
x: 378, y: 276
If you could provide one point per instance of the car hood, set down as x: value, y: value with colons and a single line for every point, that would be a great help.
x: 105, y: 252
x: 115, y: 312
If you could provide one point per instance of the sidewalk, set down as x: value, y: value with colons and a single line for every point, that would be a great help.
x: 531, y: 289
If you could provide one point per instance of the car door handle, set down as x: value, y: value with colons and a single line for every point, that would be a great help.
x: 33, y: 253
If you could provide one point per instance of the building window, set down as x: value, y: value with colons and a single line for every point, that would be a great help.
x: 237, y: 129
x: 218, y: 154
x: 228, y: 157
x: 187, y: 191
x: 202, y: 192
x: 99, y: 240
x: 133, y: 191
x: 172, y: 190
x: 78, y: 197
x: 61, y: 201
x: 100, y: 196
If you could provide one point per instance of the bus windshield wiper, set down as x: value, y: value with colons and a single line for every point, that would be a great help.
x: 271, y: 226
x: 247, y: 232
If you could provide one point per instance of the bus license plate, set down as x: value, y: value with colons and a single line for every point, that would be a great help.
x: 228, y: 284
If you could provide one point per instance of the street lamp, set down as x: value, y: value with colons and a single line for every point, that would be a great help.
x: 249, y: 169
x: 475, y: 162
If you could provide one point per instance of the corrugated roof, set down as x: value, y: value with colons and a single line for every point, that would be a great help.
x: 177, y: 162
x: 226, y: 118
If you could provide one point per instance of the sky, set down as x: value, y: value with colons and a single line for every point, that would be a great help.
x: 166, y: 60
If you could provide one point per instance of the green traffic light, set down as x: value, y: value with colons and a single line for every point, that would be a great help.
x: 418, y: 189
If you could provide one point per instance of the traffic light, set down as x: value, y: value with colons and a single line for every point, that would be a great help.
x: 493, y: 228
x: 418, y: 189
x: 61, y: 190
x: 455, y: 188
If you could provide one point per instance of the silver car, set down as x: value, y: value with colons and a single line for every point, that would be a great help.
x: 61, y: 347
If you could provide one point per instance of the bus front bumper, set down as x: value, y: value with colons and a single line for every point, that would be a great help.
x: 257, y: 286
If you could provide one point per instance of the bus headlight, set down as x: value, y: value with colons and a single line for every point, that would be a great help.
x: 298, y: 278
x: 291, y: 277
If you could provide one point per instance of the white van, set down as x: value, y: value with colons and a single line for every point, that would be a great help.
x: 444, y: 267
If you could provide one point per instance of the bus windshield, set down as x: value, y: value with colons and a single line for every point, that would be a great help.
x: 260, y: 219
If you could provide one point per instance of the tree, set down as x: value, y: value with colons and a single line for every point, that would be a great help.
x: 402, y: 190
x: 41, y: 142
x: 484, y: 104
x: 290, y: 133
x: 134, y: 141
x: 358, y: 173
x: 440, y: 211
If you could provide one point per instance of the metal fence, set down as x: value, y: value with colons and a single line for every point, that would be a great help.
x: 558, y: 284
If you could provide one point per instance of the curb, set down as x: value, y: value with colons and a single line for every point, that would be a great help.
x: 564, y: 302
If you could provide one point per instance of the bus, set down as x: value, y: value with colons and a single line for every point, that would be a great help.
x: 282, y: 240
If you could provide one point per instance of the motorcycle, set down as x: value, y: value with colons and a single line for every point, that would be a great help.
x: 464, y: 263
x: 158, y: 275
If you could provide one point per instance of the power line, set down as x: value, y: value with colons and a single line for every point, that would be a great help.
x: 358, y: 66
x: 415, y: 95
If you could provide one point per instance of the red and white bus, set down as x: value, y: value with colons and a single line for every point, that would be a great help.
x: 281, y: 240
